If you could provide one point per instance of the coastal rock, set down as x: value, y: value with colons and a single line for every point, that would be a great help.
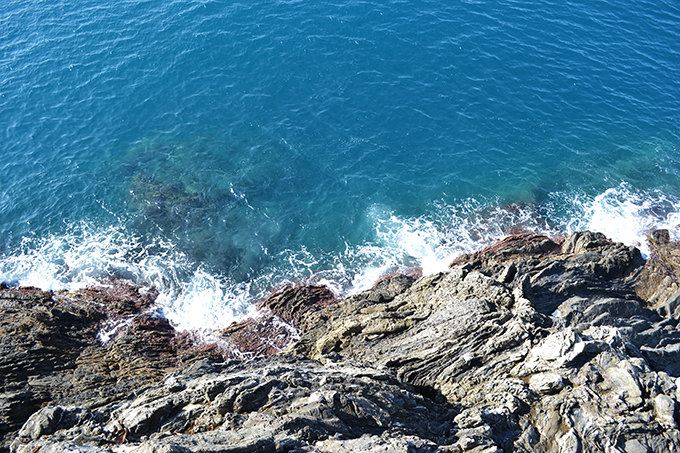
x: 531, y: 345
x: 278, y: 321
x: 297, y: 304
x: 276, y: 403
x: 564, y: 316
x: 52, y: 350
x: 658, y: 282
x: 546, y: 383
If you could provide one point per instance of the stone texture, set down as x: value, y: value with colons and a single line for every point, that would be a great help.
x: 531, y: 345
x: 51, y: 351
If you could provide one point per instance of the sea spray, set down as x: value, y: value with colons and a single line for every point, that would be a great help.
x: 194, y: 297
x: 623, y: 215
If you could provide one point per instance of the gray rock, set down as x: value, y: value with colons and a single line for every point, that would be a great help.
x: 242, y: 441
x: 376, y: 444
x: 531, y: 345
x: 43, y: 422
x: 554, y: 352
x: 546, y: 383
x: 625, y: 385
x: 61, y: 447
x: 569, y: 443
x: 635, y: 446
x: 664, y: 408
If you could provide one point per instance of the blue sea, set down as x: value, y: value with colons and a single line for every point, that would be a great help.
x: 220, y: 149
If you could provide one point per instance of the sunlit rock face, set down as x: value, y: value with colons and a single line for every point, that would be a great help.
x: 533, y: 344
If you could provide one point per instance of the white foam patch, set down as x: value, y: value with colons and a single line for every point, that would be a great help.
x: 71, y: 261
x: 626, y: 216
x: 206, y: 301
x: 189, y: 297
x: 193, y: 298
x: 417, y: 238
x: 426, y: 244
x: 112, y: 327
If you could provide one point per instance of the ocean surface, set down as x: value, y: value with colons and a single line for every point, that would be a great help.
x: 219, y: 149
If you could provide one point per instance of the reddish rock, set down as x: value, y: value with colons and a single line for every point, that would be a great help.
x: 265, y: 335
x: 295, y: 304
x: 517, y: 245
x: 283, y: 315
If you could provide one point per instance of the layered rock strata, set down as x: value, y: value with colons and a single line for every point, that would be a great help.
x: 532, y: 345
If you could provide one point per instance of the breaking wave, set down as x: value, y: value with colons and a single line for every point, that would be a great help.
x: 194, y: 297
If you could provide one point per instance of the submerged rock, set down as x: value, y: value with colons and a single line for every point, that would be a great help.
x: 531, y: 345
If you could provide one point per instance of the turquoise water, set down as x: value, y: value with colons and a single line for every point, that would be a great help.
x: 217, y: 150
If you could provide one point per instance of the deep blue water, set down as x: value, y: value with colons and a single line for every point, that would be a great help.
x: 220, y: 149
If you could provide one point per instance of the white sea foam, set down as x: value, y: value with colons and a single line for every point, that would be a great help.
x: 189, y: 297
x: 74, y: 260
x: 624, y: 215
x: 205, y: 300
x: 429, y: 243
x: 193, y: 298
x: 432, y: 242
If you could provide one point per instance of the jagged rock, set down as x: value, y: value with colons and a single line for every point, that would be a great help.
x: 51, y: 353
x: 669, y: 308
x: 268, y: 404
x: 555, y: 351
x: 530, y: 345
x: 278, y: 322
x: 492, y: 316
x: 659, y: 278
x: 41, y: 423
x: 664, y: 408
x: 376, y: 444
x: 624, y: 385
x: 295, y: 304
x: 546, y: 383
x: 242, y: 441
x: 512, y: 247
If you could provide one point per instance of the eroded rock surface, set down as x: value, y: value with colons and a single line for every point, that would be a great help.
x: 531, y: 345
x: 275, y: 403
x: 51, y: 350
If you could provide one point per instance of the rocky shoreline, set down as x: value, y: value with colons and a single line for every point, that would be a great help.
x: 531, y: 345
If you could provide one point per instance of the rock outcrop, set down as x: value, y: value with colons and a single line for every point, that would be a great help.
x: 530, y: 345
x: 52, y: 350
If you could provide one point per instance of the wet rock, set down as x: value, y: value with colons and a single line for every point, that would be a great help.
x: 296, y: 304
x: 278, y: 322
x: 514, y: 246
